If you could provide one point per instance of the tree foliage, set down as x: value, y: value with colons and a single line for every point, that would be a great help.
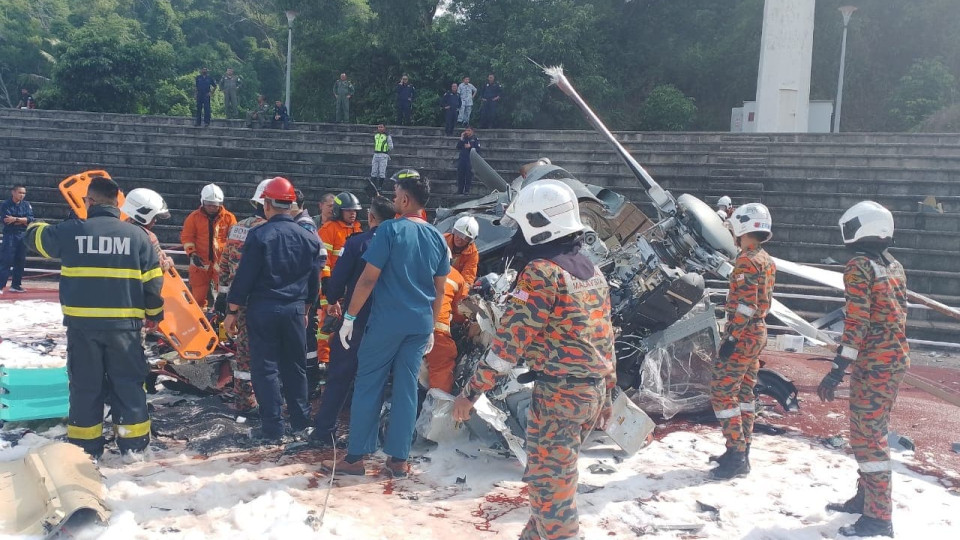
x: 642, y: 64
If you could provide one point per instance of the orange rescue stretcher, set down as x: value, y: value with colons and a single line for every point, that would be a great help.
x: 184, y: 324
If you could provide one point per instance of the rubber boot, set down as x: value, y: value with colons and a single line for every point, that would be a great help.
x: 736, y: 465
x: 868, y: 526
x: 852, y: 506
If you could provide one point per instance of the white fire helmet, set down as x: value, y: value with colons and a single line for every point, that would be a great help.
x: 211, y: 194
x: 467, y: 227
x: 258, y: 193
x: 144, y: 205
x: 751, y: 217
x: 545, y: 210
x: 724, y: 202
x: 866, y: 220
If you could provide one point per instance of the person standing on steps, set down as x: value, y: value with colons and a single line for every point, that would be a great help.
x: 467, y: 92
x: 204, y: 88
x: 450, y: 105
x: 16, y: 214
x: 489, y: 102
x: 382, y: 146
x: 744, y: 337
x: 230, y: 84
x: 874, y: 342
x: 405, y: 94
x: 468, y: 141
x: 342, y: 92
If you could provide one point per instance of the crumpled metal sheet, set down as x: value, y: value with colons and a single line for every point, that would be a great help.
x: 46, y: 488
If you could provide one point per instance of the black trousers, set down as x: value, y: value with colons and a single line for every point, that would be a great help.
x: 107, y: 366
x: 488, y: 114
x: 203, y: 110
x: 464, y: 177
x: 450, y: 120
x: 341, y: 371
x: 278, y: 353
x: 404, y: 111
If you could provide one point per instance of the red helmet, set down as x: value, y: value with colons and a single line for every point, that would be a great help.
x: 280, y: 190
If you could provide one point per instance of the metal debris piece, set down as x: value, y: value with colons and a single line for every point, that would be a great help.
x: 584, y: 489
x: 955, y: 447
x: 704, y: 507
x: 833, y: 442
x: 601, y: 468
x: 462, y: 479
x: 900, y: 442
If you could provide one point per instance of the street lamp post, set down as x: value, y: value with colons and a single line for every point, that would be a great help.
x: 847, y: 12
x: 291, y: 15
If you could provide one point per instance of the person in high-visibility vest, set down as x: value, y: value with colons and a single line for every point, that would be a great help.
x: 382, y: 145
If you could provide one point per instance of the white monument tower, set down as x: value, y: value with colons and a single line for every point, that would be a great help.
x: 786, y: 53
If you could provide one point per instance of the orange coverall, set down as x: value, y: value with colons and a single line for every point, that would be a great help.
x: 333, y: 234
x: 443, y: 358
x: 206, y: 236
x: 465, y: 260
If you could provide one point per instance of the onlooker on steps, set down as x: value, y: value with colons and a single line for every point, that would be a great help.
x: 382, y: 145
x: 405, y: 94
x: 205, y: 85
x: 467, y: 92
x: 16, y: 214
x: 450, y: 104
x: 281, y: 118
x: 342, y: 92
x: 468, y: 141
x: 26, y: 100
x: 230, y: 84
x: 260, y: 117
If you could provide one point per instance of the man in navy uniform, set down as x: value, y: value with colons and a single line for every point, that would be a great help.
x: 278, y: 280
x: 489, y: 101
x: 205, y: 87
x: 405, y: 94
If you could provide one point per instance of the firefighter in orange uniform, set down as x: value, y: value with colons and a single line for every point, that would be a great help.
x: 333, y: 235
x: 443, y: 357
x: 461, y: 242
x: 744, y: 337
x: 204, y: 236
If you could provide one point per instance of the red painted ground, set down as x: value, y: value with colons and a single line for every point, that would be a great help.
x: 930, y: 422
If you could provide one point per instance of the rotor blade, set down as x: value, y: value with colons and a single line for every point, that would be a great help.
x: 835, y: 280
x: 661, y: 198
x: 819, y: 275
x: 791, y: 319
x: 933, y: 304
x: 486, y: 173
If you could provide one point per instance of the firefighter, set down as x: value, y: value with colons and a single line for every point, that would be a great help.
x: 724, y: 207
x: 461, y: 241
x: 278, y: 279
x: 442, y: 359
x: 342, y: 368
x: 874, y: 341
x: 244, y: 400
x: 744, y: 336
x: 110, y: 286
x: 406, y: 271
x: 334, y: 234
x: 203, y: 236
x: 561, y: 300
x: 143, y: 208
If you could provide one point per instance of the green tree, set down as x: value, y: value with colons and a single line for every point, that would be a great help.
x: 926, y: 88
x: 667, y: 109
x: 108, y: 66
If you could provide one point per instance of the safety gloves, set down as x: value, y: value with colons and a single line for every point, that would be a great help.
x: 828, y: 386
x: 346, y: 330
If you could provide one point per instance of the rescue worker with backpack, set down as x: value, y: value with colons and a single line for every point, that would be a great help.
x: 744, y: 337
x: 110, y: 288
x: 203, y: 236
x: 874, y: 342
x: 561, y: 306
x: 333, y: 235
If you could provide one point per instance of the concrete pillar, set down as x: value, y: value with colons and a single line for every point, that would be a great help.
x: 786, y: 53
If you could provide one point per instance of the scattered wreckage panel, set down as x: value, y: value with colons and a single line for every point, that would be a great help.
x: 33, y: 393
x: 44, y: 489
x: 676, y: 373
x: 629, y: 426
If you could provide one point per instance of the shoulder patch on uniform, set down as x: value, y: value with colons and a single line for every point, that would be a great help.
x: 238, y: 232
x: 519, y: 295
x: 577, y: 285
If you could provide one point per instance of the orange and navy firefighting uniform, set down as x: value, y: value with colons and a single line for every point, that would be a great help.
x: 464, y: 260
x: 571, y: 318
x: 443, y: 357
x: 875, y: 341
x: 333, y: 236
x: 206, y: 236
x: 734, y: 378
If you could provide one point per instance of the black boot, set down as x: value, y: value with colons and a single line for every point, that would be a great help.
x: 852, y: 506
x: 868, y: 526
x: 736, y: 465
x: 720, y: 458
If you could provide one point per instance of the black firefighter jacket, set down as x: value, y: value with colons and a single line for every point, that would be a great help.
x: 110, y: 274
